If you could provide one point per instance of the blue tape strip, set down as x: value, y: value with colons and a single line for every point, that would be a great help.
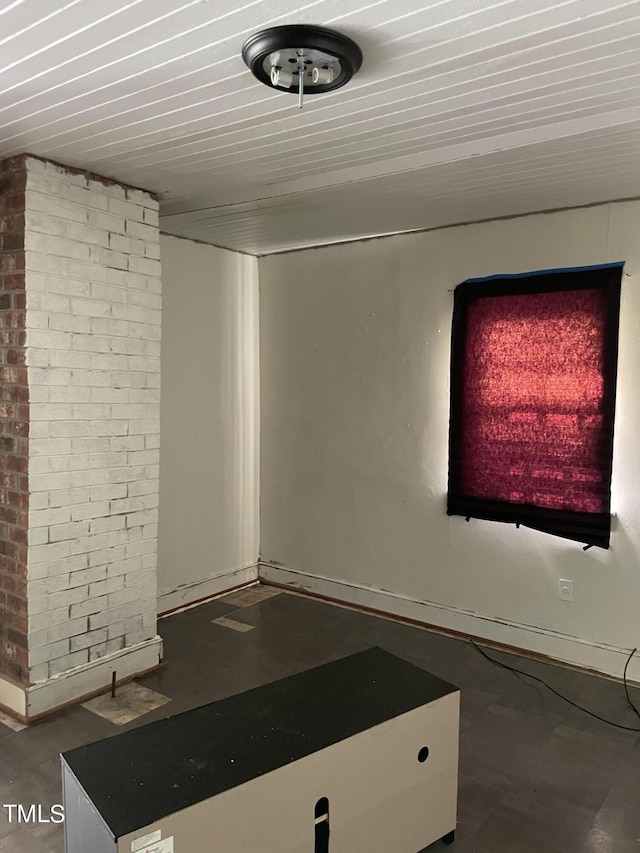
x: 543, y: 272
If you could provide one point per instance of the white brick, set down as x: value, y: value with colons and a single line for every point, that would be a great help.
x: 68, y: 531
x: 70, y: 628
x: 106, y: 617
x: 38, y: 673
x: 108, y: 648
x: 94, y: 337
x: 72, y: 597
x: 107, y: 525
x: 57, y: 247
x: 90, y: 445
x: 37, y: 571
x: 48, y: 446
x: 144, y: 266
x: 106, y: 221
x: 45, y: 376
x: 39, y: 500
x: 120, y: 243
x: 46, y: 517
x: 109, y: 258
x: 143, y: 487
x: 37, y: 319
x: 48, y: 302
x: 144, y: 546
x: 150, y: 561
x: 145, y: 300
x: 127, y: 442
x: 89, y: 639
x: 65, y: 497
x: 88, y: 197
x: 109, y: 395
x: 87, y: 544
x: 132, y: 623
x: 124, y: 567
x: 88, y: 607
x: 90, y: 412
x: 90, y: 307
x: 127, y: 505
x: 56, y: 207
x: 151, y: 217
x: 116, y: 630
x: 48, y: 652
x: 141, y: 197
x: 107, y: 556
x: 89, y: 478
x: 38, y: 536
x: 127, y: 209
x: 58, y: 174
x: 69, y: 565
x: 132, y: 638
x: 144, y: 457
x: 143, y: 231
x: 67, y: 229
x: 110, y: 293
x: 152, y: 250
x: 48, y: 585
x: 106, y: 586
x: 150, y: 531
x: 92, y: 510
x: 67, y: 662
x: 89, y: 576
x: 139, y: 578
x: 48, y: 339
x: 41, y: 621
x: 108, y: 361
x: 57, y: 551
x: 113, y: 491
x: 69, y: 394
x: 68, y: 359
x: 107, y: 188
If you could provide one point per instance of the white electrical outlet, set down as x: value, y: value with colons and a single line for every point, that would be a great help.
x: 565, y: 589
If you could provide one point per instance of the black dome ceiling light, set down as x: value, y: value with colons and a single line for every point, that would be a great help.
x: 302, y: 58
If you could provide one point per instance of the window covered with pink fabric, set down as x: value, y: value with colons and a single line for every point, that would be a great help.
x: 533, y: 374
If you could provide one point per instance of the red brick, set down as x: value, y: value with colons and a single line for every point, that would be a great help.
x: 17, y: 463
x: 15, y: 356
x: 12, y: 242
x: 13, y: 281
x: 17, y: 163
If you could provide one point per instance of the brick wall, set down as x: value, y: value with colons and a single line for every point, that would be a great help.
x: 93, y: 361
x: 14, y: 425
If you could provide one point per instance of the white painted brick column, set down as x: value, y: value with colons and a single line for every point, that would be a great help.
x: 93, y: 360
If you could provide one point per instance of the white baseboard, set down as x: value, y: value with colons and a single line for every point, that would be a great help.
x: 46, y: 696
x: 574, y: 651
x: 13, y: 697
x: 189, y: 593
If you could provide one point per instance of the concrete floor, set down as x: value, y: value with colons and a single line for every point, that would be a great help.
x: 536, y: 775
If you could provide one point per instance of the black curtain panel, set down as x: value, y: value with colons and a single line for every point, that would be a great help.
x: 533, y: 379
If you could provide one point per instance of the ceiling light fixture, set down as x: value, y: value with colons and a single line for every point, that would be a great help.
x: 302, y: 58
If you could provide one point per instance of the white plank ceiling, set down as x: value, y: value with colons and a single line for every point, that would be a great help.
x: 462, y: 110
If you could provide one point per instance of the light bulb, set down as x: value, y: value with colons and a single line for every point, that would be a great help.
x: 322, y: 75
x: 280, y: 77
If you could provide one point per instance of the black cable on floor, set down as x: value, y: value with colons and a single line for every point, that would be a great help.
x: 570, y: 701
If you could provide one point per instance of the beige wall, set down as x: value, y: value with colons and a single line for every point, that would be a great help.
x: 208, y: 533
x: 355, y: 344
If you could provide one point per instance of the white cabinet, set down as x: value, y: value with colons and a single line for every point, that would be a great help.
x: 362, y: 752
